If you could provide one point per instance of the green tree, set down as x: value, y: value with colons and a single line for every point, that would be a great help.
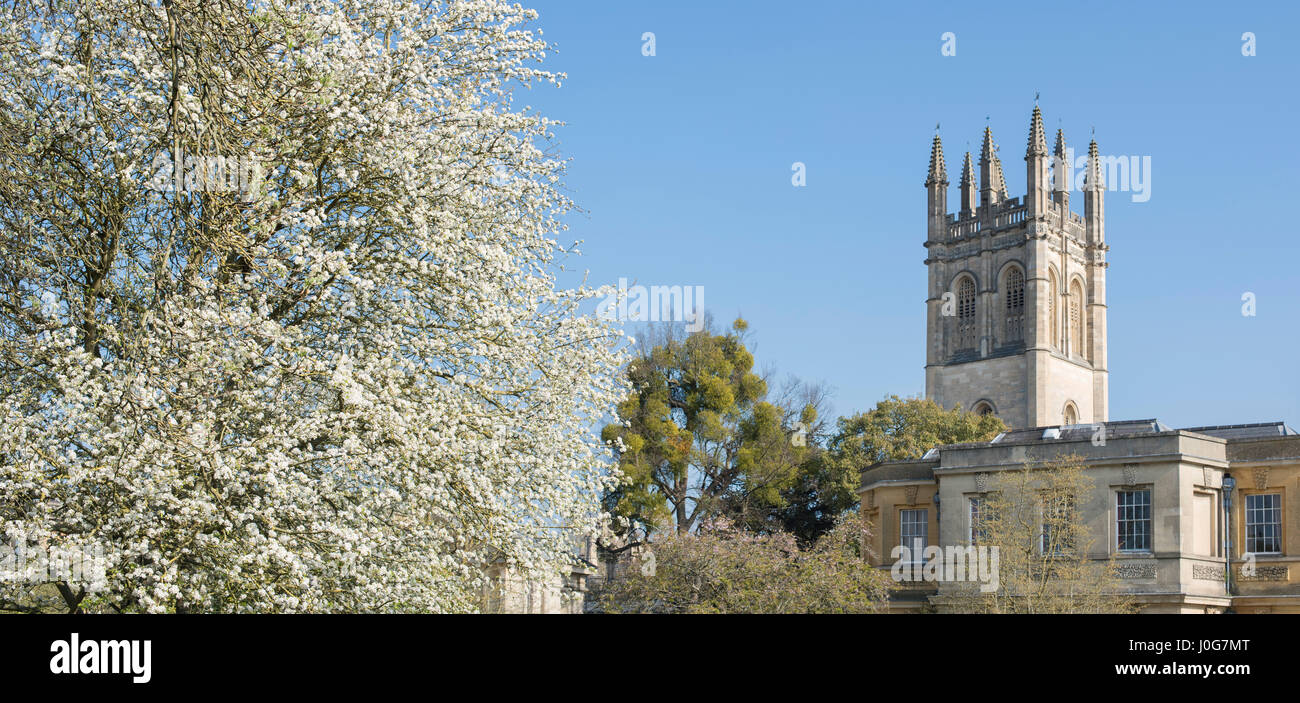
x: 897, y: 428
x: 698, y: 439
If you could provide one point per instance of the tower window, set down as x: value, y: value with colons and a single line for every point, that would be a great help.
x: 1071, y: 414
x: 1076, y: 319
x: 1015, y: 304
x: 966, y: 314
x: 1052, y: 322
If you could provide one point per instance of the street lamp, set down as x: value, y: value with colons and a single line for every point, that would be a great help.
x: 1229, y: 483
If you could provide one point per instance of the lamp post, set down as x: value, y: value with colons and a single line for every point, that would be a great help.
x: 1229, y: 483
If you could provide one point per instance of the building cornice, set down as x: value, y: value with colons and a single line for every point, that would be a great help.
x: 896, y: 482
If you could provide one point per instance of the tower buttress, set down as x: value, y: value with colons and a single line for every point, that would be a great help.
x: 1094, y: 217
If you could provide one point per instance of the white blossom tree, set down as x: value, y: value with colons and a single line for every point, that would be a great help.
x: 338, y: 381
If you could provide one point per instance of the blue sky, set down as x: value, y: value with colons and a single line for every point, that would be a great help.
x: 681, y: 162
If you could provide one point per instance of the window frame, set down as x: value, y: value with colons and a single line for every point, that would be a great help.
x: 1076, y: 320
x: 918, y: 556
x: 1069, y: 506
x: 1013, y: 283
x: 1246, y: 511
x: 966, y: 320
x: 974, y: 505
x: 1120, y: 520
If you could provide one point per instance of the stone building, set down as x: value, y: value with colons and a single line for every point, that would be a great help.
x: 1200, y: 519
x: 506, y: 590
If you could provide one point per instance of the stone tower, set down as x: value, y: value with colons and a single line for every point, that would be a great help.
x: 1016, y: 310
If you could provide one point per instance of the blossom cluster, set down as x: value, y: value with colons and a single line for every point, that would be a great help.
x: 347, y: 391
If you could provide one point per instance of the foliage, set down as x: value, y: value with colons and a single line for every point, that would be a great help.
x: 722, y: 569
x: 897, y: 428
x: 341, y: 388
x: 698, y: 437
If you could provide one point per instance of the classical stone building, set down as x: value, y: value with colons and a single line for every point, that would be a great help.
x: 507, y: 591
x: 1200, y: 519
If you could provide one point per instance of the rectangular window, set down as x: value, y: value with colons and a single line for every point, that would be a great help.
x: 975, y: 533
x: 1058, y: 515
x: 913, y: 531
x: 1133, y: 521
x: 1264, y: 523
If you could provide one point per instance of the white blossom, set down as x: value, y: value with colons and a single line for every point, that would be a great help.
x: 343, y: 392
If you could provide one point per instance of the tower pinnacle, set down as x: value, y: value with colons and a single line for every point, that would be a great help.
x: 1093, y: 181
x: 1037, y: 142
x: 993, y: 185
x: 938, y: 169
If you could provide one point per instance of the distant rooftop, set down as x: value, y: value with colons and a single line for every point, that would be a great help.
x: 1255, y: 430
x: 1124, y: 428
x: 1121, y: 428
x: 923, y: 468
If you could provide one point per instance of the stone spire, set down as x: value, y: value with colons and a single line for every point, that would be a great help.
x: 988, y: 147
x: 1094, y: 180
x: 938, y: 169
x: 993, y: 186
x: 1094, y: 199
x: 936, y: 193
x: 1060, y: 164
x: 1037, y: 178
x: 967, y: 187
x: 1037, y: 142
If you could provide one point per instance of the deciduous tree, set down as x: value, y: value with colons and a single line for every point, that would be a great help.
x: 336, y: 385
x: 897, y: 428
x: 1034, y: 516
x: 698, y: 437
x: 722, y: 569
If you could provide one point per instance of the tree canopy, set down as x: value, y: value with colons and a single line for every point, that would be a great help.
x: 698, y: 437
x: 279, y: 322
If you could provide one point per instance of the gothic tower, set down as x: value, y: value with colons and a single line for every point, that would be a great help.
x: 1016, y: 311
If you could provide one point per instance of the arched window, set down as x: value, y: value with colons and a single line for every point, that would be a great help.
x: 1014, y: 286
x: 1071, y: 414
x: 966, y: 313
x: 1076, y: 319
x: 1053, y: 322
x: 983, y: 408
